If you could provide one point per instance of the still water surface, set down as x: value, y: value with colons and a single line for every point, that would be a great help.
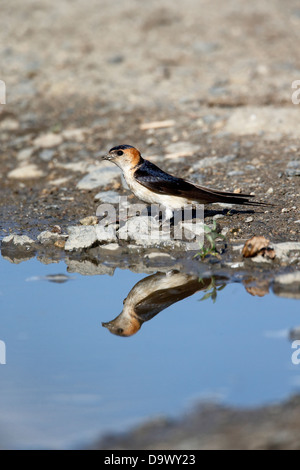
x: 67, y: 379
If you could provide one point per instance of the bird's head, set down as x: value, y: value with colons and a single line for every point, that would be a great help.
x: 125, y: 156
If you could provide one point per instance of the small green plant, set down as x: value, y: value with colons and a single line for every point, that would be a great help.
x: 212, y: 291
x: 210, y: 235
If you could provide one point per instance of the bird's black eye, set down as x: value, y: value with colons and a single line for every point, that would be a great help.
x: 120, y: 152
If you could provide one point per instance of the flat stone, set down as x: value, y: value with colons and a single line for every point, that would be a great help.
x: 108, y: 197
x: 46, y: 155
x: 212, y: 161
x: 101, y: 176
x: 106, y: 234
x: 78, y: 135
x: 9, y: 124
x: 17, y: 240
x: 48, y: 140
x: 270, y: 122
x: 25, y: 172
x: 47, y: 237
x: 181, y: 149
x: 89, y: 220
x: 25, y: 154
x: 81, y: 237
x: 283, y: 250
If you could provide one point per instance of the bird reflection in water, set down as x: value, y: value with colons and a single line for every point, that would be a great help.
x: 155, y: 293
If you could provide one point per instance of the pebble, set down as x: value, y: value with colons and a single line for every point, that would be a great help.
x: 181, y: 149
x: 47, y: 155
x: 271, y: 122
x: 9, y: 124
x: 211, y: 161
x: 81, y: 237
x: 235, y: 173
x: 293, y: 168
x: 108, y: 197
x: 25, y: 154
x: 30, y: 171
x: 17, y: 240
x: 78, y: 135
x: 249, y: 219
x: 46, y: 237
x: 270, y: 191
x: 90, y: 220
x: 48, y: 140
x: 99, y: 177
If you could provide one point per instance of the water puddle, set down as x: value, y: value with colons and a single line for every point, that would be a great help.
x: 68, y: 374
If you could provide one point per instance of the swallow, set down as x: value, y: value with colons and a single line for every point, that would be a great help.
x: 153, y: 294
x: 154, y: 186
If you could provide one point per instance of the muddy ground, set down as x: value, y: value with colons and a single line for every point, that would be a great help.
x: 220, y: 72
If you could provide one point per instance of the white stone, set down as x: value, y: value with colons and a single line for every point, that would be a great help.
x: 48, y: 140
x: 100, y: 176
x: 30, y: 171
x: 108, y: 197
x: 272, y: 121
x: 17, y: 240
x: 81, y: 237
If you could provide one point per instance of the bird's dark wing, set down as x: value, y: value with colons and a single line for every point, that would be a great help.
x: 153, y: 178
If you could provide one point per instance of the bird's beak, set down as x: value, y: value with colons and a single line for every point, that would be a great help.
x: 108, y: 156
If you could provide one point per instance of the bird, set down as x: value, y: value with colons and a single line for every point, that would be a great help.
x: 154, y: 186
x: 155, y: 293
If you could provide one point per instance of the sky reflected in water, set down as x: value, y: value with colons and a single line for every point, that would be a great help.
x: 67, y: 379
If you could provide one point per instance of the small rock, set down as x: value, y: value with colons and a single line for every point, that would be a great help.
x: 285, y: 209
x: 157, y: 124
x: 293, y: 168
x: 26, y: 172
x: 111, y: 247
x: 224, y: 231
x: 284, y: 249
x: 81, y: 237
x: 59, y: 182
x: 181, y: 149
x: 48, y: 140
x: 25, y: 154
x: 249, y: 219
x: 272, y: 121
x: 78, y: 135
x: 99, y: 177
x: 56, y: 229
x: 9, y: 124
x: 106, y: 234
x: 17, y: 240
x: 60, y: 244
x: 235, y: 173
x: 90, y: 220
x: 108, y: 197
x: 47, y: 155
x: 48, y: 238
x: 292, y: 172
x: 270, y: 191
x: 212, y: 161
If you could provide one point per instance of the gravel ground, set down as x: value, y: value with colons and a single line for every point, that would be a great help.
x: 82, y: 77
